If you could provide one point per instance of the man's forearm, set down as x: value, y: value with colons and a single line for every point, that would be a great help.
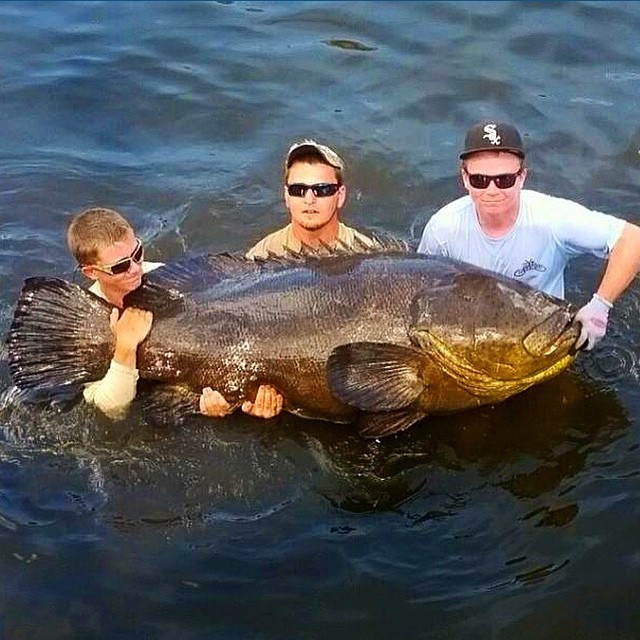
x: 623, y: 264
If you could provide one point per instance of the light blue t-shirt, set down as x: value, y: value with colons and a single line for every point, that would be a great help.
x: 547, y: 234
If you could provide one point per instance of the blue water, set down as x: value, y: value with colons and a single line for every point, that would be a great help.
x: 518, y: 520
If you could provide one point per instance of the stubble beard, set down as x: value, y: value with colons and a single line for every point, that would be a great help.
x: 313, y: 222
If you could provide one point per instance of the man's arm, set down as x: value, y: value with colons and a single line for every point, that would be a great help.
x: 623, y: 264
x: 114, y: 393
x: 621, y: 268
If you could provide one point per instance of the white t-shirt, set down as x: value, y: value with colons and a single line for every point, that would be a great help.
x: 547, y: 234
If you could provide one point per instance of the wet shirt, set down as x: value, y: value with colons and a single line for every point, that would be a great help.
x: 548, y: 233
x: 279, y: 241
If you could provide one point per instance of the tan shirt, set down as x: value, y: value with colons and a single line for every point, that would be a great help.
x: 115, y: 392
x: 279, y: 241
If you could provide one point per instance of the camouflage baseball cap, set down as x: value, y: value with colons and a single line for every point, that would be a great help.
x: 328, y: 155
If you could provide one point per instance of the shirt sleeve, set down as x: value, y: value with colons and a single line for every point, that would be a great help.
x: 115, y: 392
x: 261, y: 249
x: 254, y: 252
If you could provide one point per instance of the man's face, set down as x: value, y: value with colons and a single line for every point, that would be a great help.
x: 121, y: 283
x: 493, y: 200
x: 309, y: 211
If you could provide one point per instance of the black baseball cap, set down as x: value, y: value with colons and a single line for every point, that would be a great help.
x: 490, y: 135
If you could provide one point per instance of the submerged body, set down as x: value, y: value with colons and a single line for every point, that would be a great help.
x: 384, y: 338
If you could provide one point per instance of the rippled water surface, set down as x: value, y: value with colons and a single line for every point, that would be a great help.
x: 514, y: 521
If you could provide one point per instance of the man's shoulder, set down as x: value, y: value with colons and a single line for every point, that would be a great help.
x: 349, y: 235
x: 550, y: 209
x: 273, y: 243
x: 452, y: 214
x: 546, y: 200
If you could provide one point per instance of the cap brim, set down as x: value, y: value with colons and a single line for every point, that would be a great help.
x: 468, y: 152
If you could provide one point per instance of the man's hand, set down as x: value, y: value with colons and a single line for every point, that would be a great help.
x: 213, y: 404
x: 268, y: 403
x: 593, y: 317
x: 130, y: 329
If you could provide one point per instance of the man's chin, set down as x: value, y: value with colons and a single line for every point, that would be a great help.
x: 312, y: 224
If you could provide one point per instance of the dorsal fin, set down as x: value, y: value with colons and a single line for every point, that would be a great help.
x: 165, y: 289
x: 200, y: 272
x: 377, y: 243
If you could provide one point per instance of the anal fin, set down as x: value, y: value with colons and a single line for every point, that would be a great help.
x: 167, y: 405
x: 386, y: 423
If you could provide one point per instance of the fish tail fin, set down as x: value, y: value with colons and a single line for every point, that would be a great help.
x: 59, y: 338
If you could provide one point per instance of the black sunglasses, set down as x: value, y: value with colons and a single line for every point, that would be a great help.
x: 122, y: 266
x: 320, y: 190
x: 503, y: 181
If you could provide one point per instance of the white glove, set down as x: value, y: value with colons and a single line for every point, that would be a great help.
x: 593, y: 317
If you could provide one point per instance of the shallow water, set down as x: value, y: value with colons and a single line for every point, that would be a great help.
x: 518, y: 520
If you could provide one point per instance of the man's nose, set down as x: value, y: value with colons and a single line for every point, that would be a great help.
x: 309, y: 196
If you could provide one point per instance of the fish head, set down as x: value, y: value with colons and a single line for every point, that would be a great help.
x: 494, y: 329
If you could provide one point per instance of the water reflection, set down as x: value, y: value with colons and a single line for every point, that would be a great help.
x: 530, y: 446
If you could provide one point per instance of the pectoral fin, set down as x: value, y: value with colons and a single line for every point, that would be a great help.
x: 385, y: 423
x: 375, y: 376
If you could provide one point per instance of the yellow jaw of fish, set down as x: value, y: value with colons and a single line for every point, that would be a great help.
x: 482, y: 385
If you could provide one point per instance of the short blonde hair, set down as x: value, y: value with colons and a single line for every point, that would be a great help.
x: 94, y: 229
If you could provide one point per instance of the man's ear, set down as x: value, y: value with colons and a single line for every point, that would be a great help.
x: 462, y: 174
x: 89, y: 271
x: 342, y: 196
x: 285, y: 195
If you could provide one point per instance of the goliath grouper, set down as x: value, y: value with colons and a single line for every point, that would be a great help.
x: 382, y: 339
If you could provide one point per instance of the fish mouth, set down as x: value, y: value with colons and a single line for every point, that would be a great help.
x: 482, y: 384
x: 556, y: 333
x: 488, y: 386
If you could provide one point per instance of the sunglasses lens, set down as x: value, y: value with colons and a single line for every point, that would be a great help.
x: 505, y: 181
x: 478, y: 181
x: 320, y: 190
x: 138, y: 253
x: 325, y: 190
x: 121, y: 267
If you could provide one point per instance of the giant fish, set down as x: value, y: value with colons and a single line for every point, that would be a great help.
x: 381, y: 338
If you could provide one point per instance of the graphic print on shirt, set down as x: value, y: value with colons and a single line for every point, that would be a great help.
x: 529, y: 265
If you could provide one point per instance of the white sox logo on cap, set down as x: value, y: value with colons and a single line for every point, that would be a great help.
x: 491, y: 134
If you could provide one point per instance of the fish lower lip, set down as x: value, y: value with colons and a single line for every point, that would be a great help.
x: 561, y: 340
